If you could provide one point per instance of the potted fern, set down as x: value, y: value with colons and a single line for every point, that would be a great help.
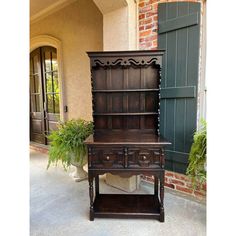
x: 66, y: 145
x: 197, y: 156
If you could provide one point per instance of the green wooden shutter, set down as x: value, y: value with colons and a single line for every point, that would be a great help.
x: 179, y: 34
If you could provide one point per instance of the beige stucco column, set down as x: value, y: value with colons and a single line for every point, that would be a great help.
x: 119, y: 24
x: 119, y: 33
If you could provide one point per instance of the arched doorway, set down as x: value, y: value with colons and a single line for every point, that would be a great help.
x: 44, y: 93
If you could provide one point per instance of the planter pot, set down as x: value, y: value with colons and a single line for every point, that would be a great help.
x: 79, y: 174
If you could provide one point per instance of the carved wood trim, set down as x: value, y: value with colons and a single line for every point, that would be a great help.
x: 125, y: 62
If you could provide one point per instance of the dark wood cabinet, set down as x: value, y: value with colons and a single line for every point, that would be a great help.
x: 126, y: 139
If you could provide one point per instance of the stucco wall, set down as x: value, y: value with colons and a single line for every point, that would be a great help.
x: 120, y: 28
x: 116, y: 38
x: 79, y: 26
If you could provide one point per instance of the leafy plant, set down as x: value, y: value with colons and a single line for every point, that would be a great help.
x: 197, y: 156
x: 67, y: 143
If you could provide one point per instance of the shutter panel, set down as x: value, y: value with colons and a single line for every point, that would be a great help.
x: 179, y: 34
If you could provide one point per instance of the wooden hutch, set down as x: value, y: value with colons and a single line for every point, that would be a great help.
x: 126, y: 139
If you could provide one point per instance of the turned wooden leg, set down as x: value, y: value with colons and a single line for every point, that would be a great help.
x: 156, y: 185
x: 91, y: 197
x: 162, y: 214
x: 97, y: 185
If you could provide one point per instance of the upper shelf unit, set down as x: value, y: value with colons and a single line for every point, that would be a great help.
x: 126, y: 90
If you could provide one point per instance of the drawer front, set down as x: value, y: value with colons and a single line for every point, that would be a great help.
x: 144, y: 158
x: 107, y: 158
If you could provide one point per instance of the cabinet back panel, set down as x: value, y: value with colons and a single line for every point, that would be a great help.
x: 150, y: 77
x: 99, y: 78
x: 150, y: 122
x: 118, y: 122
x: 151, y: 100
x: 117, y: 102
x: 134, y: 78
x: 134, y: 102
x: 133, y: 122
x: 125, y: 122
x: 100, y: 102
x: 101, y: 122
x: 117, y: 77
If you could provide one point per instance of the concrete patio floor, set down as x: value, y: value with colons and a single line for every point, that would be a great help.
x: 59, y: 206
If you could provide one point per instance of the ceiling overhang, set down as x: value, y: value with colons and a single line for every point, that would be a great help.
x: 40, y: 9
x: 48, y: 9
x: 106, y: 6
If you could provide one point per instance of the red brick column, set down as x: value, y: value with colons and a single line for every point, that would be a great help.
x: 148, y: 24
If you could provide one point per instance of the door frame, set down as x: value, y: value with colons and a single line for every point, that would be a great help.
x: 46, y: 40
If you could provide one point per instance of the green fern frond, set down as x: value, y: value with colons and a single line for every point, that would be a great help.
x: 197, y: 156
x: 66, y: 143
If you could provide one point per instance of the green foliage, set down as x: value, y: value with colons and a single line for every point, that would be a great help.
x: 66, y: 143
x: 197, y: 156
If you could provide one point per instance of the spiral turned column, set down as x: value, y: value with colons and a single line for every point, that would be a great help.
x: 162, y: 214
x: 91, y: 195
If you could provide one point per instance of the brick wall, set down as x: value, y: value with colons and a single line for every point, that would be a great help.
x: 148, y: 25
x: 181, y: 183
x: 148, y: 18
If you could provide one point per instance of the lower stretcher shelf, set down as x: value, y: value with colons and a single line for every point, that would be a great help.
x: 127, y: 206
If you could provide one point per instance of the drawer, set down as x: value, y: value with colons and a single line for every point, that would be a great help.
x: 144, y: 158
x: 107, y: 158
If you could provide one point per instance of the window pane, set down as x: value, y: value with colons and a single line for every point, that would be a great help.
x: 36, y: 84
x: 56, y: 99
x: 32, y: 103
x: 50, y: 103
x: 47, y: 61
x: 35, y: 103
x: 54, y: 61
x: 55, y: 83
x: 49, y: 87
x: 37, y: 98
x: 31, y: 66
x: 35, y: 61
x: 31, y: 84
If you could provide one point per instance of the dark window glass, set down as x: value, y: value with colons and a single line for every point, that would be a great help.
x: 31, y: 66
x: 55, y: 82
x: 49, y: 85
x: 47, y: 60
x: 35, y: 62
x: 50, y: 103
x: 54, y: 61
x: 56, y: 99
x: 36, y: 84
x: 35, y: 103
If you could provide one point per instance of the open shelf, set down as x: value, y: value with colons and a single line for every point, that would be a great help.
x: 125, y: 114
x: 127, y: 206
x: 123, y: 90
x: 125, y: 136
